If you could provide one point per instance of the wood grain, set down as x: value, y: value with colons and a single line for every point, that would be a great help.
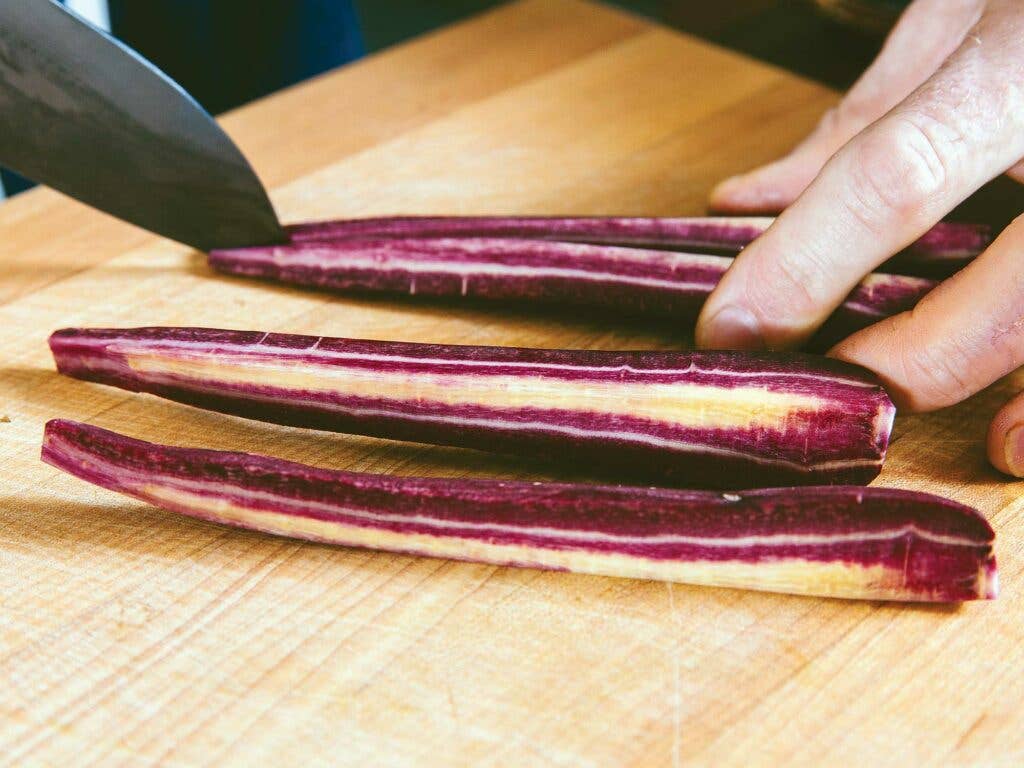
x: 132, y: 636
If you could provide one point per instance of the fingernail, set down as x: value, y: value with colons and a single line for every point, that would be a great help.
x: 732, y: 327
x: 1013, y: 450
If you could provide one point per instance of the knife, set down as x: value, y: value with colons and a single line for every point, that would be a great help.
x: 87, y: 115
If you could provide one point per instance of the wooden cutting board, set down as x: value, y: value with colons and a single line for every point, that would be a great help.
x: 132, y: 636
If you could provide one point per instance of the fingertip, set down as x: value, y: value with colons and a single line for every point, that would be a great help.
x: 875, y: 348
x: 730, y: 327
x: 1005, y: 451
x: 1005, y: 441
x: 1005, y: 438
x: 765, y: 190
x: 728, y: 195
x: 746, y: 194
x: 863, y: 347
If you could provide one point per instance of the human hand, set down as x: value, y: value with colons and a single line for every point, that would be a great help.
x: 938, y: 114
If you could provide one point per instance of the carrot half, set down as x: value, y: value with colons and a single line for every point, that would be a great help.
x: 712, y: 419
x: 866, y: 543
x: 942, y: 250
x: 632, y: 281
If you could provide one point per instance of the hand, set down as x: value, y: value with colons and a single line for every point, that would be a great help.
x: 936, y: 116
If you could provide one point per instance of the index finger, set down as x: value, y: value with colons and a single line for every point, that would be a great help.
x: 877, y: 194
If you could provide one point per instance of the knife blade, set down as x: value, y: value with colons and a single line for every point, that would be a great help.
x: 87, y: 115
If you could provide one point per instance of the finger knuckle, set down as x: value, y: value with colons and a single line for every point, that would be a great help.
x: 899, y: 172
x: 831, y: 121
x: 788, y: 285
x: 857, y: 109
x: 935, y: 374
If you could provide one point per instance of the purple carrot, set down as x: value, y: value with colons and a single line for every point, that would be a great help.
x: 628, y: 280
x: 868, y: 543
x: 938, y: 253
x: 716, y: 419
x: 725, y: 233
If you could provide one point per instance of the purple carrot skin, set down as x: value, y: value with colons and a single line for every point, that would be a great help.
x: 938, y: 253
x: 720, y: 233
x: 714, y: 419
x: 627, y: 280
x: 944, y: 249
x: 875, y: 298
x: 840, y: 541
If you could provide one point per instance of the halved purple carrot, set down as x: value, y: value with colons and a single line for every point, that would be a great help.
x: 938, y: 253
x: 869, y: 543
x: 726, y: 233
x: 629, y: 280
x: 715, y: 419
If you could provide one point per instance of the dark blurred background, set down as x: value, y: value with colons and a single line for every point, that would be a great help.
x: 827, y: 40
x: 229, y: 52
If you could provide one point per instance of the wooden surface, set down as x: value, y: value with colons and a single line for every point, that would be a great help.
x: 131, y: 636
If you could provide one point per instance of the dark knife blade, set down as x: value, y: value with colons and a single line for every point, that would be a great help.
x: 88, y: 116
